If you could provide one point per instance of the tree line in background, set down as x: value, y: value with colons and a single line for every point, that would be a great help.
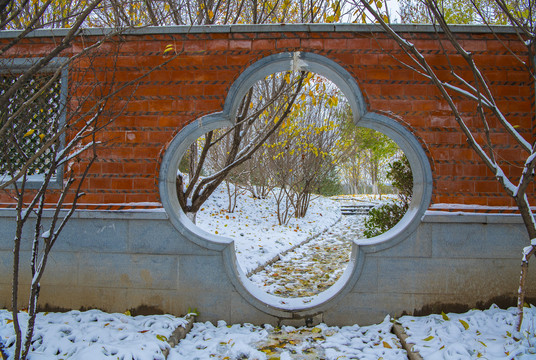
x: 31, y: 15
x: 294, y: 137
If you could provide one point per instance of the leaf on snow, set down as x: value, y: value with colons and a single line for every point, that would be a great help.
x: 444, y: 316
x: 465, y: 324
x: 428, y: 338
x: 386, y: 345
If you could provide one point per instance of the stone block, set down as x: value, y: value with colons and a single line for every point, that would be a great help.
x: 128, y: 271
x: 310, y: 321
x: 159, y: 237
x: 211, y: 305
x: 6, y: 267
x: 368, y: 278
x: 482, y: 277
x: 413, y: 275
x: 244, y: 312
x: 200, y: 274
x: 154, y: 301
x: 96, y: 235
x: 369, y: 308
x: 418, y: 244
x: 109, y: 299
x: 465, y: 240
x: 61, y: 268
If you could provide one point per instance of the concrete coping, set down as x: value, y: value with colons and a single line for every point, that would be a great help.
x: 472, y: 218
x: 160, y: 214
x: 262, y: 28
x: 134, y: 214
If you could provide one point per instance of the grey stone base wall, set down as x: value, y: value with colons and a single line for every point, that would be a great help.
x: 116, y: 261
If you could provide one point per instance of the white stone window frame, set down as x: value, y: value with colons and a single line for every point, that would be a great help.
x: 16, y: 65
x: 271, y: 304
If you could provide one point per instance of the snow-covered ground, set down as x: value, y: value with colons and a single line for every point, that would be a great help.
x: 97, y: 335
x: 475, y: 334
x: 308, y: 269
x: 94, y: 335
x: 315, y: 266
x: 255, y: 229
x: 247, y: 341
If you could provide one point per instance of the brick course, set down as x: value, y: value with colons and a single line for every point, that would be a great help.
x: 196, y: 82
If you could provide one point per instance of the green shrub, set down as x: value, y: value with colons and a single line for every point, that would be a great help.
x: 386, y: 216
x: 383, y: 218
x: 402, y: 179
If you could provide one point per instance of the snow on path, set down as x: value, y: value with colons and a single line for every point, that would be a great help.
x: 254, y: 226
x: 247, y: 341
x: 315, y: 266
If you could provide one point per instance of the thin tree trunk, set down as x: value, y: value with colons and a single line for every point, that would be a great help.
x: 16, y: 261
x: 521, y: 292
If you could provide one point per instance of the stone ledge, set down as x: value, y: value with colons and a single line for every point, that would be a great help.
x: 471, y: 218
x: 261, y: 28
x: 134, y: 214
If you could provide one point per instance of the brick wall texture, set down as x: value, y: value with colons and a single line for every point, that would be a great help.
x: 203, y: 66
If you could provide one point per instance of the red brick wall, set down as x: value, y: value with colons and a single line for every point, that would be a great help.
x: 196, y: 83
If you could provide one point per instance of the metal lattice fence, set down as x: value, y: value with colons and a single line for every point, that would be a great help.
x: 32, y: 128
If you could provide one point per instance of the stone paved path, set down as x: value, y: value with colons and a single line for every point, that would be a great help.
x: 315, y: 266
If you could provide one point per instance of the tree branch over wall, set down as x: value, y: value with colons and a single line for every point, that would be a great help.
x: 477, y: 89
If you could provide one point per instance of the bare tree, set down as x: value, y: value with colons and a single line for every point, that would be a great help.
x: 49, y: 135
x: 475, y: 87
x: 195, y: 190
x: 43, y: 135
x: 311, y: 140
x: 215, y: 160
x: 33, y: 146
